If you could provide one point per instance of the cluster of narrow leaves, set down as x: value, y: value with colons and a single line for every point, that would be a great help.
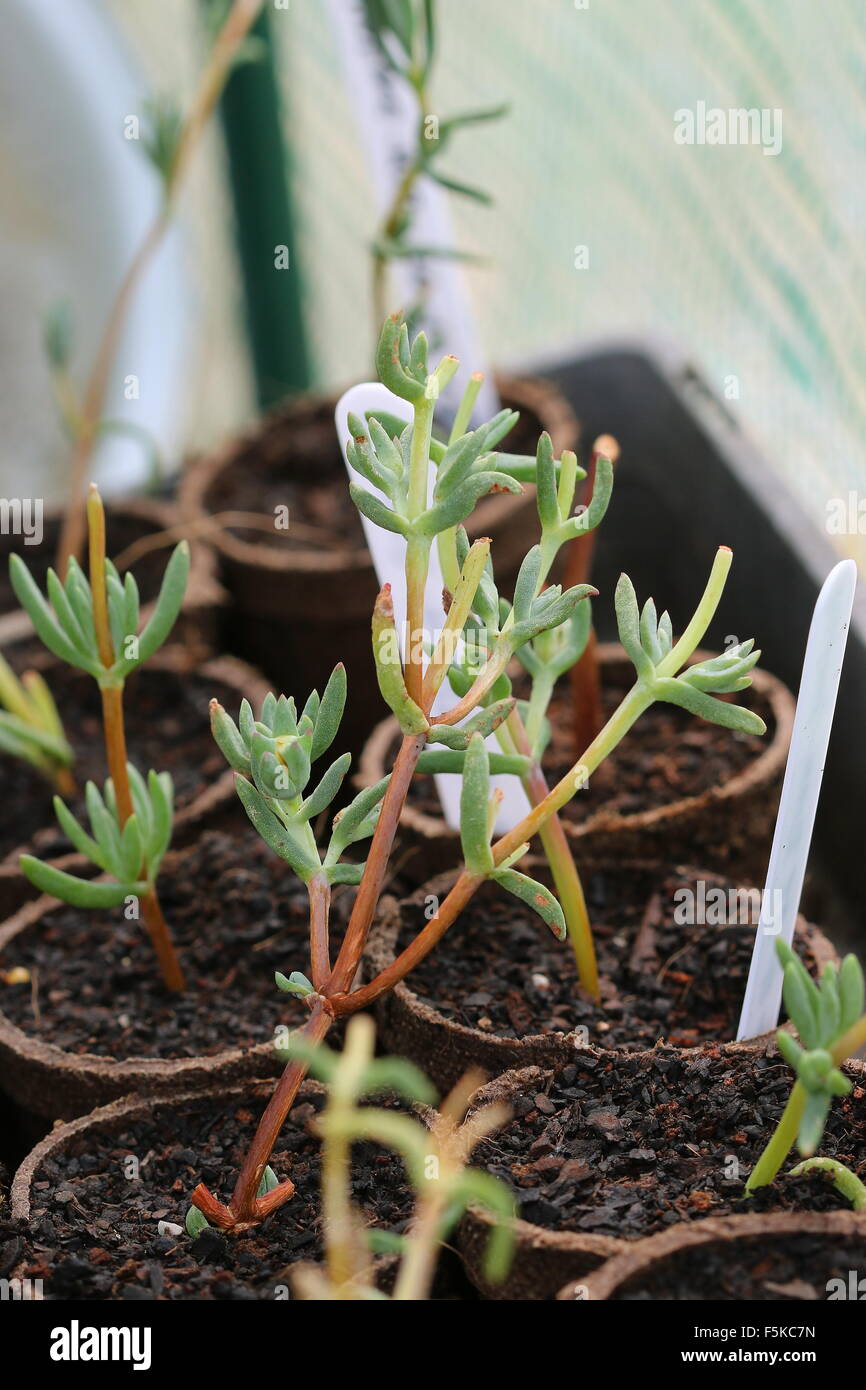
x: 821, y: 1012
x: 545, y: 628
x: 63, y: 617
x: 380, y: 448
x: 131, y: 854
x: 404, y: 31
x: 648, y: 640
x: 274, y: 755
x: 30, y: 726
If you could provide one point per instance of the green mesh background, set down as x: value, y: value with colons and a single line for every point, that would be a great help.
x: 752, y: 265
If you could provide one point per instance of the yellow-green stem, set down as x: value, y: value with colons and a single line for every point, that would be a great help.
x: 785, y: 1134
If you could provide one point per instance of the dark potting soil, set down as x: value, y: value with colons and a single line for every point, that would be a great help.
x: 122, y: 532
x: 94, y: 1219
x: 758, y: 1269
x: 499, y: 969
x: 669, y: 755
x: 628, y: 1147
x: 237, y: 914
x: 297, y: 463
x: 167, y: 728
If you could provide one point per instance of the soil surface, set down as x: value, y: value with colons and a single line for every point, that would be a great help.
x: 94, y: 1221
x: 237, y: 914
x: 668, y: 755
x: 297, y: 463
x: 167, y: 728
x: 628, y: 1148
x: 499, y: 969
x: 764, y: 1268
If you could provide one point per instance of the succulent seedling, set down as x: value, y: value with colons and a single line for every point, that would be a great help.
x: 93, y: 625
x: 405, y: 33
x: 31, y: 728
x: 436, y: 1157
x: 829, y: 1018
x: 273, y: 756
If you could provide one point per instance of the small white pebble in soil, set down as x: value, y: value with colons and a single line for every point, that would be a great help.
x: 123, y: 1020
x: 485, y: 1022
x: 168, y: 1228
x: 540, y: 981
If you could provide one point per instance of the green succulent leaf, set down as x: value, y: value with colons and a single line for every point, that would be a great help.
x: 327, y: 789
x: 78, y: 892
x: 389, y: 668
x: 534, y: 895
x: 329, y: 713
x: 228, y: 739
x: 274, y: 832
x: 46, y: 624
x: 166, y: 609
x: 851, y: 992
x: 474, y: 803
x: 676, y: 691
x: 358, y: 819
x: 195, y: 1223
x: 296, y: 983
x: 628, y: 625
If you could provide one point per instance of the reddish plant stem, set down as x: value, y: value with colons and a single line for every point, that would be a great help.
x: 585, y: 681
x: 245, y: 1208
x: 115, y: 748
x: 367, y: 897
x: 320, y: 903
x: 587, y: 711
x: 114, y: 729
x: 160, y: 937
x: 415, y: 952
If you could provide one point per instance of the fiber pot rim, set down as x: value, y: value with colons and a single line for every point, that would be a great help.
x: 228, y: 670
x: 641, y: 1255
x: 384, y: 932
x: 122, y: 1110
x: 478, y: 1222
x: 768, y: 763
x: 540, y: 397
x: 133, y: 1073
x: 36, y: 1067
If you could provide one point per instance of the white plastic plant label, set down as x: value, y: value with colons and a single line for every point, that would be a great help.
x: 816, y: 704
x: 387, y: 120
x: 389, y: 551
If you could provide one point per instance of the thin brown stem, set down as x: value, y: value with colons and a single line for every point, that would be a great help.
x: 415, y: 952
x: 245, y: 1207
x: 115, y: 748
x: 114, y: 730
x: 320, y: 902
x: 377, y: 865
x: 588, y: 714
x: 585, y: 680
x: 157, y: 928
